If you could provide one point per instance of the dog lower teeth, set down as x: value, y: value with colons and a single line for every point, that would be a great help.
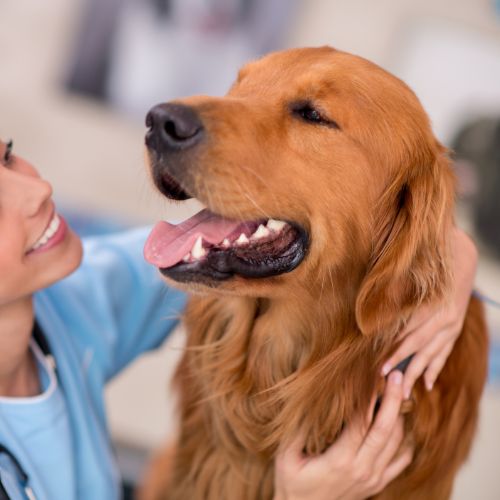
x: 242, y: 239
x: 198, y: 251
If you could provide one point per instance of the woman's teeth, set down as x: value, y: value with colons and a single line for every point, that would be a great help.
x: 49, y: 232
x: 272, y: 227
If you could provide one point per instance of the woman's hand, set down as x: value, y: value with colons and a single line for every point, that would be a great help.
x: 432, y: 331
x: 362, y: 461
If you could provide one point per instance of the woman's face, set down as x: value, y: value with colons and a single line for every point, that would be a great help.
x: 37, y: 248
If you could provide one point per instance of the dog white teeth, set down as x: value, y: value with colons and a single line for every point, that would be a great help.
x: 275, y: 225
x: 261, y: 232
x: 242, y: 239
x: 226, y: 243
x: 187, y: 257
x: 198, y: 251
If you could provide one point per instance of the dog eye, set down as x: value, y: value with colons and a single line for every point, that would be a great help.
x: 309, y: 114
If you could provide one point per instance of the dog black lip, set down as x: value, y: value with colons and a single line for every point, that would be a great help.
x: 171, y: 188
x: 168, y: 185
x: 222, y: 264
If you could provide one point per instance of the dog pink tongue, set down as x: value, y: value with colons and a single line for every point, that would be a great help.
x: 168, y: 244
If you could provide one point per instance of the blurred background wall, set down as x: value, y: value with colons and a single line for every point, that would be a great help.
x: 78, y: 76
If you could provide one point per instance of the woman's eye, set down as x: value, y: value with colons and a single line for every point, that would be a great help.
x: 7, y: 156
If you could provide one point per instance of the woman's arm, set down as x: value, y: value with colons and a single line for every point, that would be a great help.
x: 116, y: 306
x: 432, y: 331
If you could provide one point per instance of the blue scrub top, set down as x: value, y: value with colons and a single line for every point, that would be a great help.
x: 113, y: 308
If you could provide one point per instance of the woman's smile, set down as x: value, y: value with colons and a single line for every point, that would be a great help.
x: 54, y: 233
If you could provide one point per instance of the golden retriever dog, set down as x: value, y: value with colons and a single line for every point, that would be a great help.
x: 329, y: 207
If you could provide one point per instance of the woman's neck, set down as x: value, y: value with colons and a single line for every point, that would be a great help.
x: 18, y: 373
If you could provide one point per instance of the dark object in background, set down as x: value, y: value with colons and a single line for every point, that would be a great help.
x: 92, y: 53
x: 477, y: 146
x: 133, y: 53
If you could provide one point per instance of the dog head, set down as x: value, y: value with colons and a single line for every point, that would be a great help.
x: 316, y: 167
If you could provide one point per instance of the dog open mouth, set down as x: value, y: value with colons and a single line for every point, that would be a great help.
x: 211, y: 247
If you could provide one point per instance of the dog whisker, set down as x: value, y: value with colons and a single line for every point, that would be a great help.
x: 254, y: 203
x: 265, y: 184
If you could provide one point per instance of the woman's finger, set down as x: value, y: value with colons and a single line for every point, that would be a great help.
x: 385, y: 420
x: 353, y: 434
x: 393, y: 443
x: 414, y: 341
x: 436, y: 365
x: 421, y: 361
x: 407, y: 348
x: 398, y: 465
x: 349, y: 441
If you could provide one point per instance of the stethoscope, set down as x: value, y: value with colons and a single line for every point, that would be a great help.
x: 21, y: 473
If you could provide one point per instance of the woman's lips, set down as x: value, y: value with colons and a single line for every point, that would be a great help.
x: 53, y: 235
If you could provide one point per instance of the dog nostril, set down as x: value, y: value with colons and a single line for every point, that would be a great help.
x: 179, y: 131
x: 170, y: 130
x: 174, y: 126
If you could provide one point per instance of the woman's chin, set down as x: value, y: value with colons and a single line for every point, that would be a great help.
x: 60, y: 261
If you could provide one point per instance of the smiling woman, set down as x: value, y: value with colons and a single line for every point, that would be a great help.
x: 54, y: 443
x: 37, y: 247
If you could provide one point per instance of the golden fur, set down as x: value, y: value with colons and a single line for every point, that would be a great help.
x: 302, y: 352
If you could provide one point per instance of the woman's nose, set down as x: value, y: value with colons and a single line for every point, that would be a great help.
x: 39, y: 192
x: 27, y: 191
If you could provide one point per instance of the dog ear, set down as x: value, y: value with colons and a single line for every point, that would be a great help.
x: 410, y: 259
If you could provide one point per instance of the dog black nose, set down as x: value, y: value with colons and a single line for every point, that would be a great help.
x: 173, y: 126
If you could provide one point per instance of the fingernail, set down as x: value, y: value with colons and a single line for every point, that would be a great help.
x: 396, y: 377
x: 386, y: 369
x: 429, y: 385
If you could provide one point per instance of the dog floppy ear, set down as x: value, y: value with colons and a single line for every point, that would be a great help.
x: 410, y: 259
